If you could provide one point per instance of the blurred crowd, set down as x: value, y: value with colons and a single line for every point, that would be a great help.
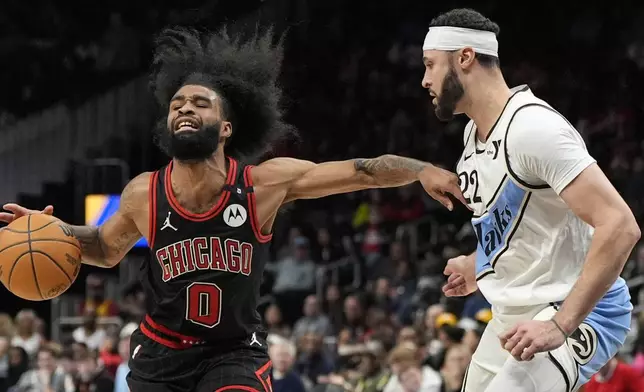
x: 352, y: 295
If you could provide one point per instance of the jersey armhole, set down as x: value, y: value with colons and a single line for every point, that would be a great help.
x: 152, y: 208
x: 252, y: 207
x: 514, y: 175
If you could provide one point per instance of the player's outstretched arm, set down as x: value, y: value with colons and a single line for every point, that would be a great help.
x: 106, y: 245
x: 307, y: 180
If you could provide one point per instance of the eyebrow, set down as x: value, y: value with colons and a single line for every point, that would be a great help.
x: 193, y: 97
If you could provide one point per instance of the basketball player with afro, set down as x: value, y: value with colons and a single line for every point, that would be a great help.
x: 208, y: 215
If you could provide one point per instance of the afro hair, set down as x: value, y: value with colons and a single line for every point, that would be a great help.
x: 244, y: 72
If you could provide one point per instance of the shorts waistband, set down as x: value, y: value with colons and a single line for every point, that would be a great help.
x: 166, y: 336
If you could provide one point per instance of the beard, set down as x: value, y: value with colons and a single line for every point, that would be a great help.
x: 188, y: 146
x: 450, y: 94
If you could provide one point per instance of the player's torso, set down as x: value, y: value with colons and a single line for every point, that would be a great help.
x: 528, y: 242
x: 205, y: 270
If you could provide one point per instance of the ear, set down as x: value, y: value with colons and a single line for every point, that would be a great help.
x: 226, y: 129
x: 466, y: 58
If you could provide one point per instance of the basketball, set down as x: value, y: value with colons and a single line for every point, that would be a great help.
x: 39, y: 257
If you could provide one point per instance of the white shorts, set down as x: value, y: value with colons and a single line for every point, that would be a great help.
x: 565, y: 369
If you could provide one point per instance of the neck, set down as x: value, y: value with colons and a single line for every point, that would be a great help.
x: 485, y: 100
x: 204, y: 179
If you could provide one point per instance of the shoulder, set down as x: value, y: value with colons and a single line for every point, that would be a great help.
x: 135, y: 194
x: 536, y: 127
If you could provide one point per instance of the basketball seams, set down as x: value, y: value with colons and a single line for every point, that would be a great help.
x: 14, y: 267
x: 27, y: 231
x: 55, y: 262
x: 40, y: 240
x: 31, y: 256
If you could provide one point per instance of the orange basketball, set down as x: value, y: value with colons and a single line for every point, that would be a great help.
x: 39, y: 257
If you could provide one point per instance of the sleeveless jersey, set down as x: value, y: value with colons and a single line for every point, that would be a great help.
x: 202, y: 283
x: 531, y: 246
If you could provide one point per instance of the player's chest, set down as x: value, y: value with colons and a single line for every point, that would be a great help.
x: 481, y: 173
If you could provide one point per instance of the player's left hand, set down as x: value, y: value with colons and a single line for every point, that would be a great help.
x: 528, y: 338
x: 440, y: 183
x: 17, y: 211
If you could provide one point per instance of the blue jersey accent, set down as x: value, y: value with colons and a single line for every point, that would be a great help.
x: 494, y: 228
x: 611, y: 321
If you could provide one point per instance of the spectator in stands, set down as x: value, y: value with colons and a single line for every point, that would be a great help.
x: 312, y: 360
x: 80, y: 351
x: 95, y: 298
x: 284, y: 379
x: 313, y: 320
x: 615, y: 376
x: 109, y: 355
x: 333, y: 308
x: 354, y: 321
x: 93, y: 377
x: 295, y: 273
x: 26, y: 335
x: 47, y: 377
x: 373, y: 376
x: 274, y: 322
x: 6, y: 332
x: 457, y: 360
x: 120, y: 383
x: 404, y: 358
x: 294, y: 278
x: 90, y: 333
x: 329, y: 251
x: 449, y: 334
x: 18, y: 365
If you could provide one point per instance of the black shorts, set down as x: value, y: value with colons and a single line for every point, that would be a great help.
x: 229, y: 367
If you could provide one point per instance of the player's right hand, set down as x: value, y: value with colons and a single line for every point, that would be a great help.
x: 17, y: 211
x: 461, y: 276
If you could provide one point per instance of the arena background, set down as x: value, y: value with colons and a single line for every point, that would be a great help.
x: 76, y: 119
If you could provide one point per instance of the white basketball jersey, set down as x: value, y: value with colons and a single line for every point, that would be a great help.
x: 531, y: 246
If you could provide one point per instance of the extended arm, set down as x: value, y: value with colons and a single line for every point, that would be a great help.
x: 103, y: 246
x: 592, y: 197
x: 307, y: 180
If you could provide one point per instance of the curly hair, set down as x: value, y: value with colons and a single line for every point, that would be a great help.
x: 243, y: 72
x: 470, y: 19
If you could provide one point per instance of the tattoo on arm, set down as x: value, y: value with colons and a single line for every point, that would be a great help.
x: 391, y: 170
x: 95, y: 251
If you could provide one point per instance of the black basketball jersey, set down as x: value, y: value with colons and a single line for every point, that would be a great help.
x: 202, y: 283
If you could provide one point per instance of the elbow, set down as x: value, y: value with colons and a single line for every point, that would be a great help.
x: 626, y: 227
x: 632, y: 231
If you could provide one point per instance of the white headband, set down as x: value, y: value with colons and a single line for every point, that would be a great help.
x: 454, y: 38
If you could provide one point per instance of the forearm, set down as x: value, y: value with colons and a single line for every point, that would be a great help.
x: 391, y: 170
x: 609, y: 250
x: 94, y: 251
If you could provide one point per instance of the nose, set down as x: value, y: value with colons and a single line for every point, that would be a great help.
x: 425, y: 82
x: 187, y: 108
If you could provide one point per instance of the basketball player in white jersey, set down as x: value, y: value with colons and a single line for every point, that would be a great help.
x: 553, y: 233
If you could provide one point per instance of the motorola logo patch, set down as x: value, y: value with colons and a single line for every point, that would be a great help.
x: 235, y: 215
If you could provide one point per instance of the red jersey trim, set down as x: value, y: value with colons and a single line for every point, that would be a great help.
x: 265, y: 371
x: 237, y: 388
x: 182, y: 341
x: 215, y: 210
x: 252, y: 210
x: 152, y: 208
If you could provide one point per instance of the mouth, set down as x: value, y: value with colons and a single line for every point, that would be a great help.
x: 186, y: 124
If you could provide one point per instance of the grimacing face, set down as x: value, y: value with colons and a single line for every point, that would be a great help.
x: 194, y: 126
x: 442, y: 82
